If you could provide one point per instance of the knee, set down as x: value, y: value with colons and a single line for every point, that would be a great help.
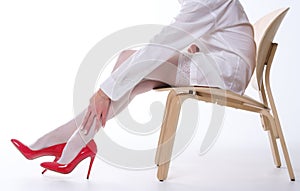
x: 123, y: 56
x: 126, y: 53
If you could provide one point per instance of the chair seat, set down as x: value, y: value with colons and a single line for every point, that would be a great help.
x: 218, y: 96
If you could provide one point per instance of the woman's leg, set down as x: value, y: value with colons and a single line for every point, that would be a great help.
x: 156, y: 79
x: 59, y: 135
x: 63, y: 133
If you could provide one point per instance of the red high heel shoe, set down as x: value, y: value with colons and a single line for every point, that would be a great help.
x: 89, y: 150
x: 30, y: 154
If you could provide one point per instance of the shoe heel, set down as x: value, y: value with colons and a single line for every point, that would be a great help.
x: 90, y: 167
x: 89, y: 151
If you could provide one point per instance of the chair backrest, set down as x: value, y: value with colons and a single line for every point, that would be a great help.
x: 265, y: 30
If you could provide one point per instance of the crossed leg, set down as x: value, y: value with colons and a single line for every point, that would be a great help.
x: 70, y: 132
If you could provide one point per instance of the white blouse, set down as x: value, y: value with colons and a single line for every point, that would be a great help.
x: 221, y: 30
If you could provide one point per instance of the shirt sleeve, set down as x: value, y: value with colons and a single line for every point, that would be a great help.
x: 193, y: 21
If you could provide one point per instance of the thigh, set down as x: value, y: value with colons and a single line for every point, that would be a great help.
x: 166, y: 73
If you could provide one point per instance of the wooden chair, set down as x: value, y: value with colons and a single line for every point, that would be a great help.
x: 265, y: 30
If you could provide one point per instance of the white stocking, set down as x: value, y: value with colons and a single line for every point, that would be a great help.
x: 63, y: 133
x: 59, y: 135
x: 78, y: 140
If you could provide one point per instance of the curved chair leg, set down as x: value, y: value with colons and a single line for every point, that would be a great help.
x: 283, y: 144
x: 276, y: 123
x: 269, y: 91
x: 167, y: 140
x: 162, y: 130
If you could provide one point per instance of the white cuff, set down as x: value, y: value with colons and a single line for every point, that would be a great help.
x: 110, y: 89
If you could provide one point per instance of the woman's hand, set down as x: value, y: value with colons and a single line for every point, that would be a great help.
x: 193, y: 49
x: 98, y: 109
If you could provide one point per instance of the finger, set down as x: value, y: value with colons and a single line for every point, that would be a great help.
x: 89, y: 123
x: 98, y: 120
x: 85, y: 128
x: 98, y: 124
x: 85, y: 119
x: 104, y: 117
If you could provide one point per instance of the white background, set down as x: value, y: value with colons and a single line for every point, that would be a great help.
x: 42, y: 44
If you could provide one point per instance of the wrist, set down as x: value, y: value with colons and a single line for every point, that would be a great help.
x: 102, y: 94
